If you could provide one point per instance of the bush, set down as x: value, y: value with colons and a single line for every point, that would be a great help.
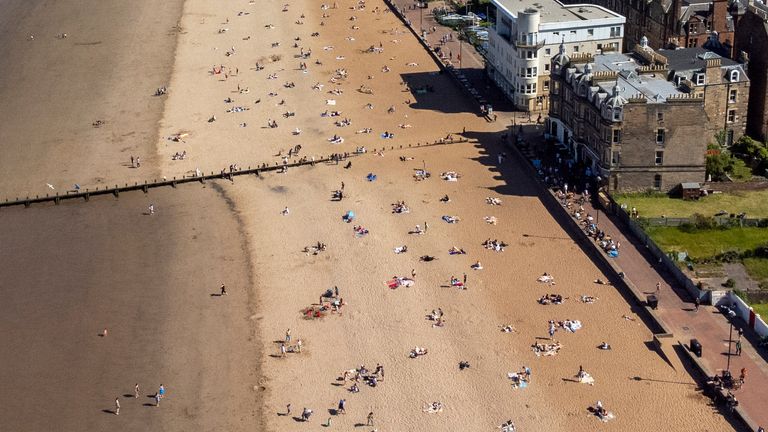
x: 730, y: 283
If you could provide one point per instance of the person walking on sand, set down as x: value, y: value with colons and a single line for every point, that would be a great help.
x: 658, y: 288
x: 151, y: 209
x: 426, y: 227
x: 136, y: 391
x: 117, y: 406
x: 342, y: 409
x: 465, y: 279
x: 551, y: 329
x: 738, y: 347
x: 283, y: 350
x: 288, y: 336
x: 696, y: 303
x: 104, y: 332
x: 369, y: 420
x: 157, y: 399
x: 161, y: 391
x: 223, y: 290
x: 413, y: 274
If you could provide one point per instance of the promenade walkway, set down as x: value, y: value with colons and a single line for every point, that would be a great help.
x: 708, y: 325
x: 472, y: 64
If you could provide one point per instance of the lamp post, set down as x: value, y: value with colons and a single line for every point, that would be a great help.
x: 421, y: 11
x: 730, y: 342
x: 597, y: 205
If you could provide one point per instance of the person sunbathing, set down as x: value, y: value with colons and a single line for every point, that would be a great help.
x: 456, y: 251
x: 427, y: 258
x: 476, y: 266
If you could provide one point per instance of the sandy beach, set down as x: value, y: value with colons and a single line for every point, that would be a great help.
x: 153, y: 280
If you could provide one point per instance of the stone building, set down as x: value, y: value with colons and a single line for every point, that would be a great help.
x: 751, y: 47
x: 625, y: 123
x: 674, y: 23
x: 528, y: 32
x: 721, y: 82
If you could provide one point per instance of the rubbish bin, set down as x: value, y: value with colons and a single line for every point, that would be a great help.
x: 695, y: 347
x: 652, y: 301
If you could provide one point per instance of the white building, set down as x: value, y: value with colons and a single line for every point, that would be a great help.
x: 528, y: 33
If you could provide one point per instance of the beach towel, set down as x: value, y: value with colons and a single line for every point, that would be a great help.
x: 349, y: 216
x: 371, y: 177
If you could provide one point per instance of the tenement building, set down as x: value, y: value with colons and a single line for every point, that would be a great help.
x: 751, y: 47
x: 626, y: 123
x: 675, y: 23
x: 721, y: 82
x: 528, y: 32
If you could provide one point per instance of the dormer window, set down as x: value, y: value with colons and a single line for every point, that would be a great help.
x: 617, y: 114
x: 733, y: 76
x: 699, y: 77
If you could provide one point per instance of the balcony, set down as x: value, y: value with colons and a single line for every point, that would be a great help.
x: 526, y: 44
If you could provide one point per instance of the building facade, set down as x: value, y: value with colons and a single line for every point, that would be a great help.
x: 675, y: 23
x: 625, y: 123
x: 750, y: 47
x: 526, y: 35
x: 721, y: 82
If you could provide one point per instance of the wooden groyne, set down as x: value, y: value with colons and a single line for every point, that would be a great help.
x: 116, y: 190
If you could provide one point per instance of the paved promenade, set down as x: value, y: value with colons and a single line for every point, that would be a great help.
x: 677, y: 311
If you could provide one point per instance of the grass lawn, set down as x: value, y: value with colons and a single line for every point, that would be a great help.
x: 761, y: 309
x: 758, y: 270
x: 708, y: 243
x: 754, y: 203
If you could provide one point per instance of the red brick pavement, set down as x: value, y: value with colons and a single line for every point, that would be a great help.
x: 676, y: 310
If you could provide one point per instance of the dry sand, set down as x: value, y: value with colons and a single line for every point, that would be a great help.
x: 150, y: 278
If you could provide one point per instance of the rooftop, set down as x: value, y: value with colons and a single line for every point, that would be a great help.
x: 553, y: 11
x: 654, y: 87
x: 686, y: 59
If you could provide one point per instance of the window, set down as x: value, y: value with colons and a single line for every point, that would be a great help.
x: 657, y: 182
x: 575, y: 48
x: 659, y: 116
x: 531, y: 54
x: 590, y: 32
x: 729, y: 137
x: 547, y: 51
x: 615, y: 157
x: 546, y: 67
x: 617, y: 114
x: 615, y: 31
x: 693, y: 43
x: 693, y: 27
x: 530, y: 88
x: 732, y: 96
x: 659, y: 136
x: 734, y: 76
x: 731, y: 116
x: 699, y: 78
x: 659, y: 157
x: 546, y: 85
x: 599, y: 47
x: 616, y: 136
x: 708, y: 25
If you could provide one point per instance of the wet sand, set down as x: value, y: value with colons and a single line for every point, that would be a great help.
x: 115, y: 55
x: 72, y: 270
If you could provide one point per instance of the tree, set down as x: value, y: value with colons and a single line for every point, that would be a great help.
x: 718, y: 162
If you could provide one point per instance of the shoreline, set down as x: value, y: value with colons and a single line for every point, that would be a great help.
x: 106, y: 69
